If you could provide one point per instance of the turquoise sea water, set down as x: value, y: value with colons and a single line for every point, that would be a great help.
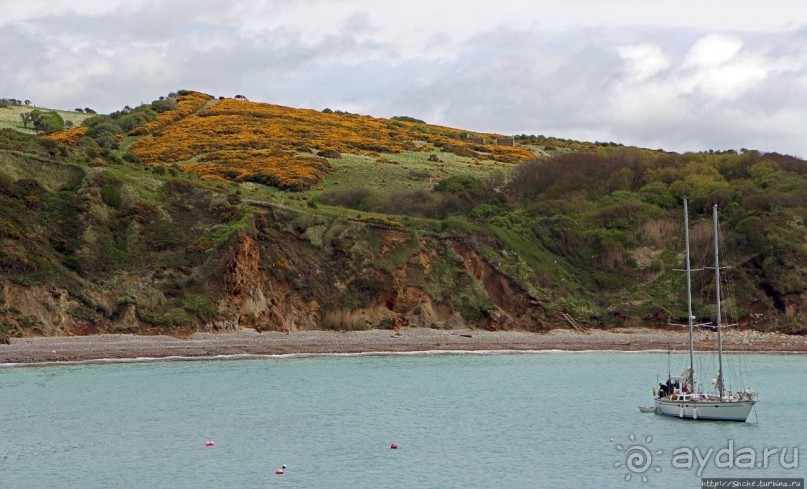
x: 460, y: 420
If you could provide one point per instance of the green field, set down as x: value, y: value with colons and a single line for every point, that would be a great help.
x: 403, y: 171
x: 10, y: 117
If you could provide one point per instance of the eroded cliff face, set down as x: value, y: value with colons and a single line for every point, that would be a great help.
x: 251, y: 296
x: 290, y: 274
x: 285, y: 279
x: 514, y: 307
x: 387, y: 279
x: 37, y: 309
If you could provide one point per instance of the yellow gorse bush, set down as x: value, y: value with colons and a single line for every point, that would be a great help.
x: 68, y: 137
x: 238, y: 140
x: 283, y: 171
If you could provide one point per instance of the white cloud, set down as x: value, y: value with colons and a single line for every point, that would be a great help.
x: 714, y: 50
x: 643, y: 61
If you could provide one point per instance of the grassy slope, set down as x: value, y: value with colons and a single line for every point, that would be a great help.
x: 10, y: 117
x: 232, y: 140
x: 96, y: 229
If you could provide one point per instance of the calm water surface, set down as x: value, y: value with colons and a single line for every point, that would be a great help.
x: 461, y: 420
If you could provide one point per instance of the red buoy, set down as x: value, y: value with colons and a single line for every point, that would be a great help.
x: 210, y: 443
x: 279, y: 471
x: 394, y: 446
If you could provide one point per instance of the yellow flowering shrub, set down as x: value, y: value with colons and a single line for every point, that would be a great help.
x: 68, y: 137
x: 238, y: 140
x: 269, y: 168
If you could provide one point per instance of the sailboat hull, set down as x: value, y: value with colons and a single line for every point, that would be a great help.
x: 709, y: 410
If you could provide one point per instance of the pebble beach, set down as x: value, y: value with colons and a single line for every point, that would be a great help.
x: 249, y: 342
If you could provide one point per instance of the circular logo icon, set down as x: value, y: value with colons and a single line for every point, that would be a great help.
x: 638, y: 458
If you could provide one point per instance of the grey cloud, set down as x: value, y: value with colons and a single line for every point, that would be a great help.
x: 500, y: 89
x: 570, y: 84
x: 357, y: 23
x: 519, y: 86
x: 144, y: 56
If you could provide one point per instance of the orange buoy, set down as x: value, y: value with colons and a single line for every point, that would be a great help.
x: 210, y: 443
x: 394, y: 446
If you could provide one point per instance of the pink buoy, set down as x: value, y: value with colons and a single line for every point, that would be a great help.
x: 210, y: 443
x: 394, y: 446
x: 279, y: 471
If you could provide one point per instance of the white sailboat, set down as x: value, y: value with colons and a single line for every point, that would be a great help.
x: 681, y: 396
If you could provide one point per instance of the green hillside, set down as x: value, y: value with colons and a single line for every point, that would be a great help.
x: 202, y: 213
x: 10, y: 117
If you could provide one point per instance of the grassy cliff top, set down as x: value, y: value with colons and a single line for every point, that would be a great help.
x: 10, y: 117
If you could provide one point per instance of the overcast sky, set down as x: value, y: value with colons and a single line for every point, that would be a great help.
x: 679, y: 75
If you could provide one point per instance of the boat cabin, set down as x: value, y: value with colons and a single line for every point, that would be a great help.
x: 674, y: 385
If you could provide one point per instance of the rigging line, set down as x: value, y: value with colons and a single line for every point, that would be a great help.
x: 705, y: 359
x: 702, y: 294
x: 738, y: 368
x: 708, y: 325
x: 747, y: 374
x: 731, y: 281
x: 706, y: 257
x: 669, y: 352
x: 735, y: 374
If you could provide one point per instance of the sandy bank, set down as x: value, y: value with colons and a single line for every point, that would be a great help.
x: 77, y: 348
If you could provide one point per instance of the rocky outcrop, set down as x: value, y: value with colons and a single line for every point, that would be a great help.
x: 515, y: 308
x: 252, y: 297
x: 281, y: 281
x: 37, y: 309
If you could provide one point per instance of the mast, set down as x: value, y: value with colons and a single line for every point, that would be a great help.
x: 689, y: 299
x: 717, y: 298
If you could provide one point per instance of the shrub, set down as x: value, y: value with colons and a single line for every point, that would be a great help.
x: 47, y: 122
x: 330, y: 153
x: 111, y: 196
x: 456, y: 183
x: 352, y: 198
x: 406, y: 118
x: 164, y: 105
x: 132, y: 158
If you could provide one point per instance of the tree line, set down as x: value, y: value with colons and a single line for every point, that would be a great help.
x: 12, y: 102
